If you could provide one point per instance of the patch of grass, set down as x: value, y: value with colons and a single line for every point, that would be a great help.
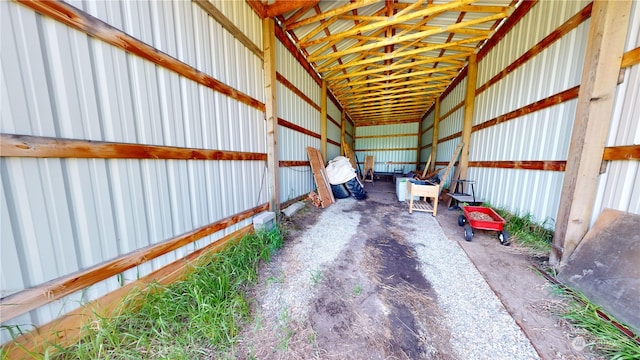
x: 186, y: 319
x: 286, y: 333
x: 603, y: 337
x: 316, y: 276
x: 357, y: 290
x: 527, y: 232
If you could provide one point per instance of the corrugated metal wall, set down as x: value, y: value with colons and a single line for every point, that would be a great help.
x: 543, y: 135
x: 334, y: 132
x: 388, y: 160
x: 63, y: 215
x: 292, y: 145
x: 619, y: 186
x: 427, y: 138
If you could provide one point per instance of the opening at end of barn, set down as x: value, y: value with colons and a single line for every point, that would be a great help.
x: 353, y: 179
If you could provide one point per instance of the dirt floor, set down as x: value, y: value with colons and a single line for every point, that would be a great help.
x: 369, y: 300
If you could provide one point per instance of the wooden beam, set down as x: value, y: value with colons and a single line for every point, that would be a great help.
x: 408, y: 38
x: 395, y: 121
x: 218, y: 16
x: 398, y: 53
x: 271, y: 111
x: 385, y: 22
x: 549, y: 165
x: 298, y: 128
x: 388, y: 149
x: 434, y: 138
x: 384, y: 136
x: 67, y: 329
x: 419, y: 145
x: 48, y: 147
x: 323, y: 119
x: 293, y: 163
x: 343, y: 129
x: 605, y: 46
x: 469, y: 106
x: 628, y: 152
x: 79, y: 20
x: 280, y: 7
x: 334, y: 12
x: 397, y: 76
x: 29, y: 299
x: 631, y: 58
x: 550, y: 101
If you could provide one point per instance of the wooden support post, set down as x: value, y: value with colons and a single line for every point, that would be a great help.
x: 343, y: 125
x: 323, y: 120
x: 605, y: 46
x: 419, y: 154
x: 434, y: 138
x: 271, y: 112
x: 469, y: 104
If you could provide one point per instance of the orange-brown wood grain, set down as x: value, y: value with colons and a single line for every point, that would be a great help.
x: 630, y: 58
x: 47, y: 147
x: 293, y: 163
x: 628, y: 152
x: 527, y: 165
x: 298, y: 128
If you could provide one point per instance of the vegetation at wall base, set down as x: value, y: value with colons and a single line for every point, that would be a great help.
x: 191, y: 318
x: 527, y: 231
x: 601, y: 335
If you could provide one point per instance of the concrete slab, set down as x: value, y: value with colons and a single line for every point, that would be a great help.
x: 606, y: 266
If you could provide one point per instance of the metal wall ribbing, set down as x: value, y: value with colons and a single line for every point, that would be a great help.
x: 64, y: 215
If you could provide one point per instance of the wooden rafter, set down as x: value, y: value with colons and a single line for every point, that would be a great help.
x: 389, y: 61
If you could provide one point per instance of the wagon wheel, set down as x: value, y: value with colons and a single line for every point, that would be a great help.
x: 504, y: 238
x: 468, y: 232
x: 462, y: 220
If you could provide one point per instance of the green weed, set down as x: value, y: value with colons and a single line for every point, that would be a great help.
x: 604, y: 337
x: 357, y: 290
x: 187, y: 319
x: 527, y: 232
x: 316, y: 276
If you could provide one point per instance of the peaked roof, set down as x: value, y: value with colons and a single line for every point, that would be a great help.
x: 388, y: 61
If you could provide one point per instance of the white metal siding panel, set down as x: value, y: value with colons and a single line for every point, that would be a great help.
x: 536, y: 25
x: 455, y: 97
x: 243, y: 16
x: 384, y: 159
x: 522, y: 192
x: 549, y: 73
x: 542, y: 135
x: 71, y: 214
x: 332, y: 151
x: 296, y: 181
x: 295, y: 110
x: 334, y: 132
x: 410, y: 128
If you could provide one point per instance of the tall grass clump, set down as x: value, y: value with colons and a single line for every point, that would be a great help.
x: 188, y: 319
x: 527, y: 231
x: 602, y: 336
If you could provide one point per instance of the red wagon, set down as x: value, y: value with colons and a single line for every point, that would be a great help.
x: 482, y: 218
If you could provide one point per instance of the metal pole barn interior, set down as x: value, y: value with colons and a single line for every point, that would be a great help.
x: 137, y: 134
